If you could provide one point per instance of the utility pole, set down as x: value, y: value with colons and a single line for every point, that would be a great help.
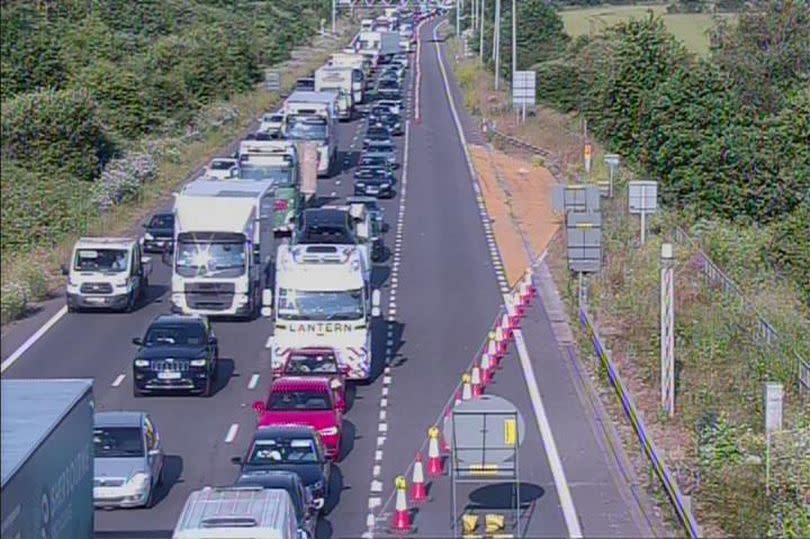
x: 474, y: 12
x: 497, y: 44
x: 514, y: 37
x: 481, y: 32
x: 458, y: 18
x: 667, y: 330
x: 334, y: 16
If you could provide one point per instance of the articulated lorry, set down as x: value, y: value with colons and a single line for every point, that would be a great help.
x: 278, y: 161
x: 323, y: 295
x: 224, y: 245
x: 340, y: 79
x: 312, y: 117
x: 47, y: 488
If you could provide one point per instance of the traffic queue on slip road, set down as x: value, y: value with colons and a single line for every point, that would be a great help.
x: 221, y: 241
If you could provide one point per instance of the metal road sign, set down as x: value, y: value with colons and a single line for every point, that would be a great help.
x: 584, y: 235
x: 578, y: 198
x: 612, y: 160
x: 524, y: 91
x: 643, y: 196
x: 773, y: 406
x: 272, y: 80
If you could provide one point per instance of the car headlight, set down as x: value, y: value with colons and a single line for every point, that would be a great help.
x: 124, y: 283
x: 141, y: 363
x: 360, y: 184
x: 148, y: 236
x: 329, y: 431
x: 139, y: 481
x: 199, y: 362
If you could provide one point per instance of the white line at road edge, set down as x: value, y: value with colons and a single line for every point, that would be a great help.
x: 231, y: 436
x: 560, y: 482
x: 33, y: 339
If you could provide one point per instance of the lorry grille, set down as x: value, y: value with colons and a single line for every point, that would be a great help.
x: 210, y: 296
x: 96, y: 288
x: 175, y: 366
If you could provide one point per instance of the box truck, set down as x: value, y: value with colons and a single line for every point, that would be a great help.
x: 338, y: 79
x: 47, y: 485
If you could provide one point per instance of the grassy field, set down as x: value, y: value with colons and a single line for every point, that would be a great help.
x: 691, y: 28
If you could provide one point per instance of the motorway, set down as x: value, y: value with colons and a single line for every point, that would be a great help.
x: 440, y: 293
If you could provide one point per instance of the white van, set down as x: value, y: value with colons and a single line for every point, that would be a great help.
x: 238, y: 513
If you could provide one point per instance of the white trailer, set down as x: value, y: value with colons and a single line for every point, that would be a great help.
x: 311, y: 117
x: 340, y: 79
x: 223, y: 247
x: 361, y: 75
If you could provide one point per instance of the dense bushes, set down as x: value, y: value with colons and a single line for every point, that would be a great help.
x: 84, y: 80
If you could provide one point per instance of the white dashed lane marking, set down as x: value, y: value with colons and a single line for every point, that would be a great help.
x: 254, y: 381
x: 231, y: 435
x: 118, y: 380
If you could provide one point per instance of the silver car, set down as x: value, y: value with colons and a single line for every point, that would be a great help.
x: 128, y: 460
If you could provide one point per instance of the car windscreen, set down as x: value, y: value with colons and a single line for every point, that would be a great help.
x: 117, y: 442
x: 373, y: 161
x: 289, y: 400
x: 221, y: 164
x: 311, y: 364
x: 165, y: 220
x: 105, y: 260
x: 389, y: 84
x: 377, y: 133
x: 280, y: 450
x: 175, y: 335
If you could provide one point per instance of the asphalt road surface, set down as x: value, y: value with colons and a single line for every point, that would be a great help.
x: 440, y: 294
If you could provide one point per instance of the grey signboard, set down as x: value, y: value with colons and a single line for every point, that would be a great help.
x: 524, y: 92
x: 643, y: 196
x: 578, y: 198
x: 584, y: 238
x: 272, y: 80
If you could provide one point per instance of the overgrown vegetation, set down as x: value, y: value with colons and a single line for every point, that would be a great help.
x: 99, y: 97
x: 732, y: 158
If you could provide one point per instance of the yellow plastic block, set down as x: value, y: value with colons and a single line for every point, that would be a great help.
x: 469, y: 523
x: 494, y: 523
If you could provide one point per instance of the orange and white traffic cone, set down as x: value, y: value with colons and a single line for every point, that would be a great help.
x: 502, y: 340
x: 435, y: 464
x: 418, y: 485
x: 486, y: 369
x: 493, y: 350
x: 475, y: 380
x: 402, y: 522
x: 466, y: 390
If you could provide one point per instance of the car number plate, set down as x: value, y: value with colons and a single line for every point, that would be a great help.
x: 95, y: 300
x: 166, y: 375
x: 372, y: 189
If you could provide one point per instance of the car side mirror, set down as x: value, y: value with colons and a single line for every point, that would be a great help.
x: 236, y: 460
x: 137, y: 341
x: 65, y: 270
x: 259, y: 407
x: 212, y: 340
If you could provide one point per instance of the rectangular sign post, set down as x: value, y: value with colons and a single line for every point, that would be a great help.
x: 774, y: 394
x: 612, y: 161
x: 588, y: 154
x: 524, y: 93
x: 643, y: 199
x: 667, y: 330
x: 272, y: 80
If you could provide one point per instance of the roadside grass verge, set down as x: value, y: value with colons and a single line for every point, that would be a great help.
x: 32, y: 276
x: 715, y: 444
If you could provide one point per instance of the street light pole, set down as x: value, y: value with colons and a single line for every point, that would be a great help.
x: 334, y: 16
x: 458, y: 18
x: 481, y: 32
x: 497, y: 44
x: 514, y: 37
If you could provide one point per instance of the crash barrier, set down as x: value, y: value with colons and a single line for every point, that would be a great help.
x: 679, y: 503
x: 551, y: 161
x: 487, y: 358
x: 764, y: 333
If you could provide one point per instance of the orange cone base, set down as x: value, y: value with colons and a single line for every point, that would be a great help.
x: 435, y: 467
x: 486, y: 376
x: 402, y: 523
x: 419, y: 493
x: 477, y: 390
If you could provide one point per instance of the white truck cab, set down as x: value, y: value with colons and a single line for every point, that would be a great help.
x: 106, y: 273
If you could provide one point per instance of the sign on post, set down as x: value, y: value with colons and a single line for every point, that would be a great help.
x: 588, y: 154
x: 272, y: 80
x: 643, y: 199
x: 774, y: 394
x: 578, y: 198
x: 584, y: 236
x: 612, y: 160
x: 524, y: 93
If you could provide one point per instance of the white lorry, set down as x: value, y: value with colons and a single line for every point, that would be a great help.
x: 368, y: 44
x: 106, y: 273
x: 238, y: 513
x: 311, y: 117
x: 323, y: 295
x: 223, y: 247
x: 361, y: 71
x: 337, y: 79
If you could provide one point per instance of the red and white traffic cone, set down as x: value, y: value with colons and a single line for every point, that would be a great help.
x: 435, y: 464
x: 475, y: 380
x: 486, y: 369
x: 418, y: 485
x: 402, y: 522
x: 512, y: 313
x: 502, y: 340
x: 493, y: 350
x: 466, y: 390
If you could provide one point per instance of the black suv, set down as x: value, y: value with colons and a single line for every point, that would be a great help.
x: 158, y: 233
x: 178, y: 353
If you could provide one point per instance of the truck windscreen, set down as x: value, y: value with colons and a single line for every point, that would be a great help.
x: 307, y: 131
x: 281, y: 175
x: 210, y: 259
x: 321, y: 306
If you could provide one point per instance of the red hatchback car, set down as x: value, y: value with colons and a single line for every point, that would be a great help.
x: 317, y: 362
x: 310, y: 400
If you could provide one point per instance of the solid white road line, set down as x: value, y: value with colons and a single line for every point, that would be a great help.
x: 560, y: 482
x: 118, y: 380
x: 254, y: 381
x: 32, y: 339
